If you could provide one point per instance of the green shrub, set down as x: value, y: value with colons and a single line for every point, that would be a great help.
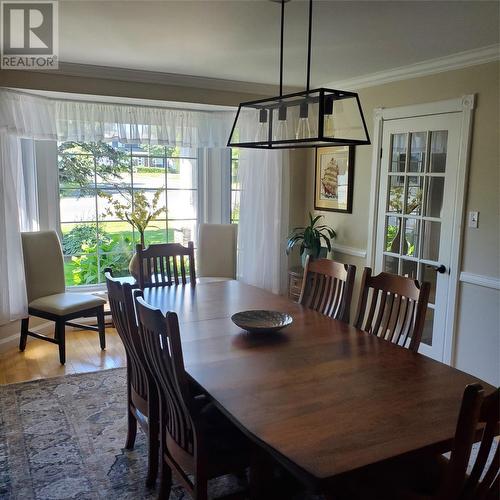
x: 113, y: 253
x: 81, y: 234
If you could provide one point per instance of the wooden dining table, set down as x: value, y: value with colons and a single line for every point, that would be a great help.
x: 322, y: 397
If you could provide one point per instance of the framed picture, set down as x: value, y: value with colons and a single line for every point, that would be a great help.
x: 334, y: 179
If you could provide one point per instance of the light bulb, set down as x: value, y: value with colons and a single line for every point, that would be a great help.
x: 329, y: 126
x: 281, y: 132
x: 262, y: 134
x: 303, y: 128
x: 328, y: 120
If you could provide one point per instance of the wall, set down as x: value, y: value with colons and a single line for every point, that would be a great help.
x: 477, y: 342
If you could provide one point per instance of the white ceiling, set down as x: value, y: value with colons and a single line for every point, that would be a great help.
x: 239, y: 39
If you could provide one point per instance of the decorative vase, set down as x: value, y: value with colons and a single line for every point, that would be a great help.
x: 133, y: 267
x: 322, y: 254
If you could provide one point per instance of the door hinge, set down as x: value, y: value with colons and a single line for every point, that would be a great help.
x: 380, y: 152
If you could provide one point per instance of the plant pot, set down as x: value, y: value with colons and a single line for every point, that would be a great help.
x: 133, y: 267
x: 322, y: 254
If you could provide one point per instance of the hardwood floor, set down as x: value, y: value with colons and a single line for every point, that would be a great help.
x: 41, y: 359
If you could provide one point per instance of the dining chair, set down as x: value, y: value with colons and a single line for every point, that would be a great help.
x: 327, y: 287
x: 470, y: 471
x: 393, y: 307
x: 196, y: 442
x: 217, y: 250
x: 142, y: 395
x: 47, y: 295
x: 165, y: 264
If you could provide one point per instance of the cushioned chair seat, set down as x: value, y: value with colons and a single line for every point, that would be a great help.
x: 66, y: 303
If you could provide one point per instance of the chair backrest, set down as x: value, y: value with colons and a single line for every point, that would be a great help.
x: 121, y: 304
x: 217, y: 250
x: 481, y: 482
x: 165, y: 264
x: 393, y: 308
x: 161, y: 339
x: 43, y: 264
x: 327, y: 287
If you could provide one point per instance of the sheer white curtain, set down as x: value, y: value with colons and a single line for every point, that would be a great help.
x: 17, y: 202
x: 32, y: 117
x: 263, y: 225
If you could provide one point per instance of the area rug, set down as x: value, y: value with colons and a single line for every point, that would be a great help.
x: 63, y: 438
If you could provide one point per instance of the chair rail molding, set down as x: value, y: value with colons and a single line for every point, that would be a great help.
x: 355, y: 252
x: 480, y: 280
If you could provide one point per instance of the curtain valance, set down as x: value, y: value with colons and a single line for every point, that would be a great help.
x: 42, y: 118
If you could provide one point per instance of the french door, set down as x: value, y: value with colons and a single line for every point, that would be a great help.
x: 419, y: 168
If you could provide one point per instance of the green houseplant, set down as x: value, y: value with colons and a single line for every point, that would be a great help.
x: 310, y: 238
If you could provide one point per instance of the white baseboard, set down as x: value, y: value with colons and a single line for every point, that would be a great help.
x: 480, y: 280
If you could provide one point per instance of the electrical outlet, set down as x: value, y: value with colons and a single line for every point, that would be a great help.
x: 474, y: 219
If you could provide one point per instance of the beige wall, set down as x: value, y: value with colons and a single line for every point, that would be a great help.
x: 481, y: 253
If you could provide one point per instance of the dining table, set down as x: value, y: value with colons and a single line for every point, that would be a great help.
x: 320, y: 397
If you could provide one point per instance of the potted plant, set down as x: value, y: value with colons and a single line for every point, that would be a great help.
x: 139, y: 212
x: 310, y: 238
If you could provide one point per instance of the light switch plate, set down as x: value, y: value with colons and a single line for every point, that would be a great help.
x: 473, y: 219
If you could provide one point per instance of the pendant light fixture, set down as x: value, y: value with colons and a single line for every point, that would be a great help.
x: 313, y: 118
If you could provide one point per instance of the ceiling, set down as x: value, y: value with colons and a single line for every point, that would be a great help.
x: 239, y: 39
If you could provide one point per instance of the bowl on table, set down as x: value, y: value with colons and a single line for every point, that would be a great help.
x: 261, y: 321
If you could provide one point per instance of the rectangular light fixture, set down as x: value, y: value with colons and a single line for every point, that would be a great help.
x: 312, y: 118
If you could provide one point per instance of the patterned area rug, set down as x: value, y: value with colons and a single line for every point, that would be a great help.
x: 63, y: 438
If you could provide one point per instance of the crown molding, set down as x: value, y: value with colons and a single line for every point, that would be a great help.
x: 160, y: 78
x: 459, y: 60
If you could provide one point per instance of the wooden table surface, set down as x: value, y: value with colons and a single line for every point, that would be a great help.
x: 323, y: 397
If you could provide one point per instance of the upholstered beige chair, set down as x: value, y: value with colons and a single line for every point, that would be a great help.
x: 217, y: 250
x: 47, y: 296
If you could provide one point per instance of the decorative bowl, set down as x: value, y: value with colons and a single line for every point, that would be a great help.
x: 261, y: 321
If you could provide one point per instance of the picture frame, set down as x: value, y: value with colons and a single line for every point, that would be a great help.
x: 334, y: 179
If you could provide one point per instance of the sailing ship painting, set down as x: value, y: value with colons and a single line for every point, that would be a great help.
x: 330, y: 180
x: 334, y: 176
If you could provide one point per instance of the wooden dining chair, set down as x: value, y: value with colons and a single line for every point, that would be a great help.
x: 393, y: 307
x: 142, y: 395
x: 166, y: 264
x: 47, y: 295
x: 196, y: 442
x: 327, y: 287
x: 471, y: 472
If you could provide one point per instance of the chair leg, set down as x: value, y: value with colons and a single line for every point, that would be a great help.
x: 153, y: 447
x: 131, y: 430
x: 165, y: 479
x: 61, y: 339
x: 102, y: 327
x: 24, y: 333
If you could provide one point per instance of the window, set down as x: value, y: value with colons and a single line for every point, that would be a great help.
x: 95, y: 179
x: 235, y: 187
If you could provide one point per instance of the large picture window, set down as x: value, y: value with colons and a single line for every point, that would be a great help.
x: 94, y: 177
x: 235, y: 187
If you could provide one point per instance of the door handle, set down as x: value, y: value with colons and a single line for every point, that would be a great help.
x: 441, y: 269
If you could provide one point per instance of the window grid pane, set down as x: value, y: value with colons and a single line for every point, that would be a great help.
x: 95, y: 178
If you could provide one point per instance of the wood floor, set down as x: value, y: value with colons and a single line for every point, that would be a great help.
x: 41, y: 359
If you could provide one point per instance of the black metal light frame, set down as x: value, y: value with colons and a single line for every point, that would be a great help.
x: 321, y: 96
